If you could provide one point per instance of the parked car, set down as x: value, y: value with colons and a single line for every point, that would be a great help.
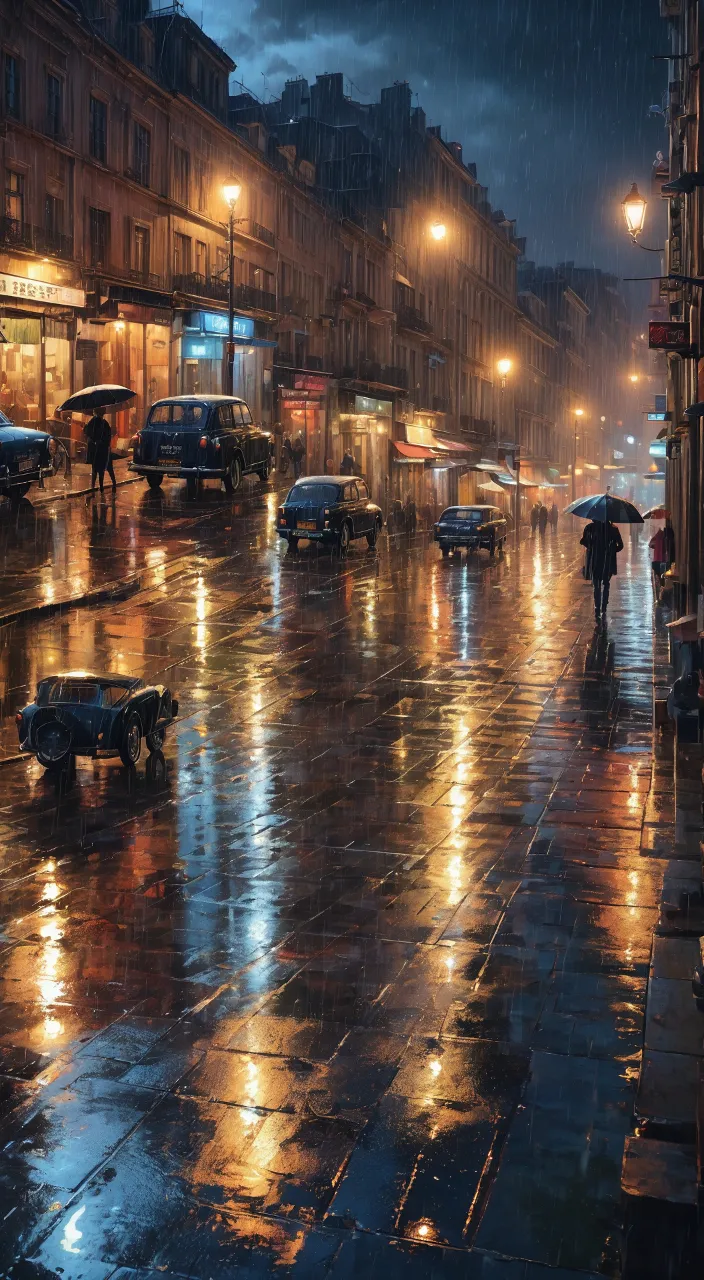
x: 201, y: 438
x: 79, y: 714
x: 330, y: 509
x: 471, y: 527
x: 26, y: 456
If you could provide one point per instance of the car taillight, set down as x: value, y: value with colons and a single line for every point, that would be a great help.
x: 282, y: 516
x: 203, y: 442
x: 216, y: 445
x: 136, y: 440
x: 18, y: 718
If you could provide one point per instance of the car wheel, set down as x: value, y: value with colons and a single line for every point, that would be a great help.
x: 233, y: 479
x: 155, y: 739
x: 263, y: 472
x: 131, y: 747
x: 373, y: 535
x: 154, y: 481
x: 293, y: 545
x: 343, y: 540
x: 192, y: 487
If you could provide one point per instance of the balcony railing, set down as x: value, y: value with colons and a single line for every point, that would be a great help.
x: 385, y: 375
x: 252, y: 299
x: 23, y: 235
x: 413, y: 319
x: 149, y: 279
x: 201, y: 286
x: 264, y: 234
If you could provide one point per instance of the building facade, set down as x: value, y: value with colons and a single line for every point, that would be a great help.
x: 375, y: 288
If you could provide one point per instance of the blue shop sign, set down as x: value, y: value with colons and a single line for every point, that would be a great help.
x: 199, y: 348
x: 216, y: 323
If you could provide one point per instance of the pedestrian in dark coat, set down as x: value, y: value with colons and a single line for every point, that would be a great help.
x: 347, y: 464
x: 534, y: 512
x: 299, y: 452
x: 542, y: 517
x: 554, y: 513
x: 603, y: 542
x: 410, y: 516
x: 98, y: 433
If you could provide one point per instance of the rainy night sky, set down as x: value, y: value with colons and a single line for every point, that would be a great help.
x: 550, y: 97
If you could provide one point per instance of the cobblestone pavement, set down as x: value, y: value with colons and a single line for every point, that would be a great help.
x: 352, y: 984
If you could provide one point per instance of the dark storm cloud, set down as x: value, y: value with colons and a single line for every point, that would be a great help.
x: 550, y: 97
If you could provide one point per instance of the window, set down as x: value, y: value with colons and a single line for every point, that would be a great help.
x: 177, y: 415
x: 98, y: 130
x: 201, y: 186
x: 99, y: 237
x: 182, y: 255
x: 201, y: 258
x: 141, y: 153
x: 53, y: 218
x: 225, y: 415
x: 53, y: 105
x: 182, y: 173
x: 14, y: 199
x: 141, y: 251
x: 12, y: 87
x: 246, y: 415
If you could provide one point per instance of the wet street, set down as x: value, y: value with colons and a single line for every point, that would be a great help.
x: 352, y: 983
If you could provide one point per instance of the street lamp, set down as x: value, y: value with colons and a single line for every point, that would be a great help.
x: 438, y: 230
x: 634, y: 206
x: 504, y: 367
x: 232, y: 190
x: 578, y: 413
x: 633, y: 377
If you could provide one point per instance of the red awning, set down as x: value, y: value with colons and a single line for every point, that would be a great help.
x: 415, y: 451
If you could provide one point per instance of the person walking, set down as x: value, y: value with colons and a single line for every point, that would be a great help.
x: 554, y: 513
x: 98, y: 433
x: 347, y: 464
x: 298, y: 451
x: 286, y: 455
x: 542, y: 518
x: 534, y: 513
x: 603, y: 543
x: 658, y: 546
x: 409, y: 514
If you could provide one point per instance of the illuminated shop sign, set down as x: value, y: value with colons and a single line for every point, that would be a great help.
x: 40, y: 291
x: 214, y: 322
x: 365, y: 404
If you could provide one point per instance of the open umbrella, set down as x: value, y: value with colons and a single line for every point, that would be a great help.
x: 656, y: 513
x: 605, y: 506
x: 103, y: 397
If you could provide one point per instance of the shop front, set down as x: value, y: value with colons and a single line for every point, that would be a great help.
x: 202, y: 364
x: 365, y: 431
x: 431, y: 469
x: 132, y: 350
x: 37, y: 331
x: 303, y: 411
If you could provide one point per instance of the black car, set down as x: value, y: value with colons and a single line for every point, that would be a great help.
x: 26, y: 456
x: 471, y: 527
x: 201, y: 438
x: 330, y: 509
x: 78, y: 714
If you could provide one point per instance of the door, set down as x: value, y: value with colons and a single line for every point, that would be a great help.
x: 365, y: 518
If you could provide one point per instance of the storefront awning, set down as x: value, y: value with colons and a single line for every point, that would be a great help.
x: 414, y: 452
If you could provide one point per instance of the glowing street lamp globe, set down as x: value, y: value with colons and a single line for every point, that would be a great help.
x: 504, y: 366
x: 634, y: 206
x: 232, y: 190
x: 438, y: 230
x: 579, y: 413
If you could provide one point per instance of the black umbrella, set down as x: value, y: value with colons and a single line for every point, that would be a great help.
x: 103, y: 397
x: 605, y: 506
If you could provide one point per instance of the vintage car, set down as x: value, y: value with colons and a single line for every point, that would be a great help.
x: 26, y: 456
x: 331, y: 509
x: 471, y: 527
x: 79, y: 714
x: 201, y: 438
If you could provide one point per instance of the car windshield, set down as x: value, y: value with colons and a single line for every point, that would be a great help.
x: 76, y: 692
x: 472, y: 514
x: 4, y: 420
x: 313, y: 495
x: 174, y: 413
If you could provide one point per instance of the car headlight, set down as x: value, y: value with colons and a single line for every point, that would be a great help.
x: 51, y: 446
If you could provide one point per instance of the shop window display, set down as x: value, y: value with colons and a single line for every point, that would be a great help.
x: 20, y: 369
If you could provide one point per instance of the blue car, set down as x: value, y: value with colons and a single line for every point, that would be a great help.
x: 26, y: 456
x: 201, y: 438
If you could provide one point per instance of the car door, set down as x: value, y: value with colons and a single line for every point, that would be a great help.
x: 254, y: 443
x: 350, y: 503
x: 241, y: 437
x: 223, y: 429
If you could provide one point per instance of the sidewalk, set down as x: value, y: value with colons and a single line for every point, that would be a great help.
x: 78, y: 482
x: 662, y: 1166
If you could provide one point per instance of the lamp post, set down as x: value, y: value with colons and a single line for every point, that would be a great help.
x: 578, y: 413
x: 504, y: 366
x: 232, y: 191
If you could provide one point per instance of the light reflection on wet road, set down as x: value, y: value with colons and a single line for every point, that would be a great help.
x: 357, y: 988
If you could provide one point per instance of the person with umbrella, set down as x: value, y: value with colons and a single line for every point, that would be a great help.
x: 98, y: 433
x: 603, y: 540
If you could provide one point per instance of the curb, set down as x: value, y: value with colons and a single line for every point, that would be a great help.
x: 101, y: 595
x: 75, y: 493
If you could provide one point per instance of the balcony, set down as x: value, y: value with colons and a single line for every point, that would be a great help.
x: 250, y: 299
x: 383, y: 375
x: 201, y: 286
x: 148, y: 279
x: 22, y: 235
x: 264, y: 234
x: 412, y: 319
